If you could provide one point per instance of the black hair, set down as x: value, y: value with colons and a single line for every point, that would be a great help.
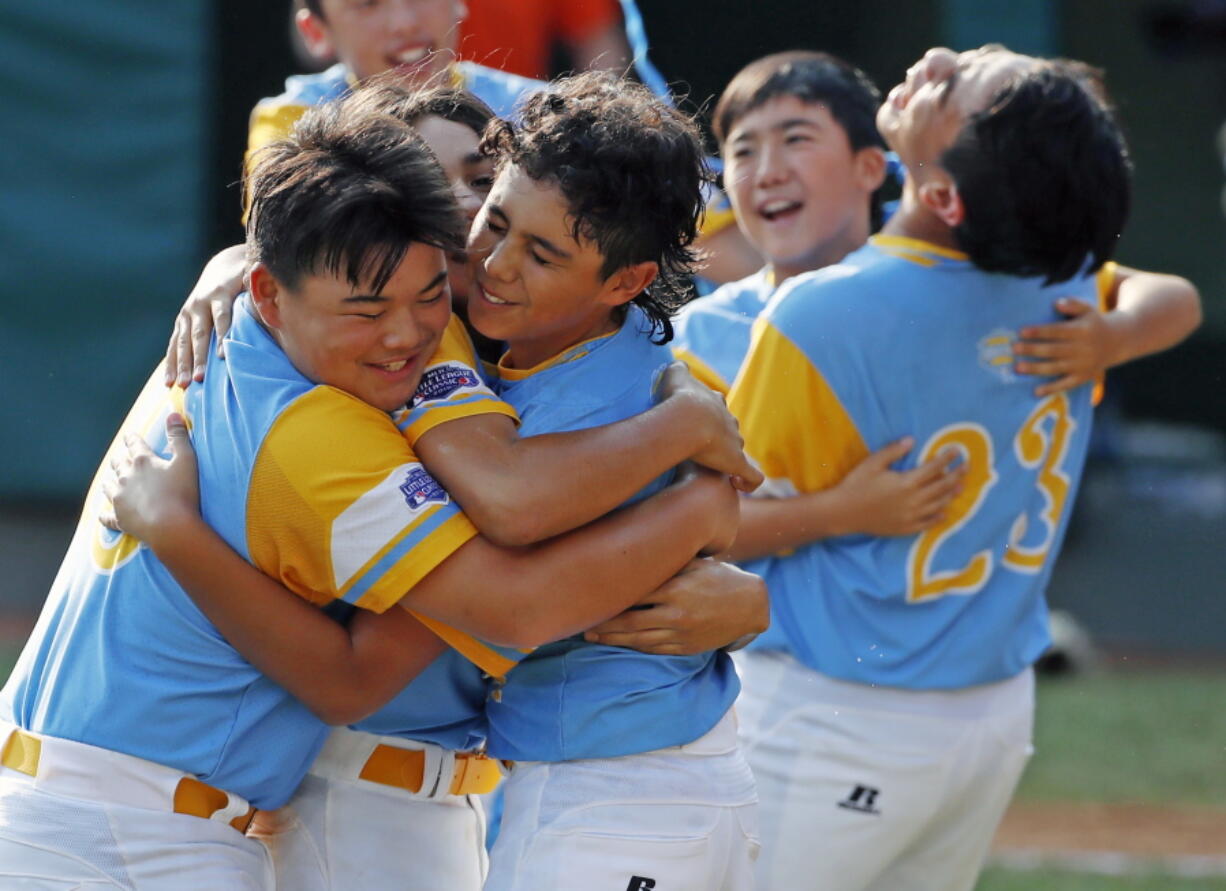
x: 347, y: 193
x: 813, y: 78
x: 632, y: 170
x: 387, y: 94
x: 1043, y: 174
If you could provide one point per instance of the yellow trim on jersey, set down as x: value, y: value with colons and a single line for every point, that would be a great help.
x: 715, y: 221
x: 456, y: 346
x: 794, y: 424
x: 268, y: 124
x: 701, y: 370
x: 1105, y: 280
x: 915, y: 246
x: 479, y: 654
x: 325, y: 512
x: 570, y: 354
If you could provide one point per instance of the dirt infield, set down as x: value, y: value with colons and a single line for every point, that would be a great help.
x: 1136, y: 829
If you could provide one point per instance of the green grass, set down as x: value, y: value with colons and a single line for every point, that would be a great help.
x: 997, y: 879
x: 1155, y: 736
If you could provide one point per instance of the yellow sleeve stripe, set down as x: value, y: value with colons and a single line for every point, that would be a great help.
x: 702, y: 370
x: 439, y: 533
x: 794, y: 424
x: 479, y: 654
x: 441, y: 414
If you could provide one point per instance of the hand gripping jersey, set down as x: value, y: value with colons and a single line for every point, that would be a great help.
x: 272, y: 118
x: 317, y: 489
x: 712, y: 333
x: 906, y: 338
x: 572, y: 699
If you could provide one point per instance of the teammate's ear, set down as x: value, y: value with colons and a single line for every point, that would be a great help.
x: 940, y: 195
x: 266, y: 294
x: 868, y: 168
x: 628, y: 282
x: 314, y: 33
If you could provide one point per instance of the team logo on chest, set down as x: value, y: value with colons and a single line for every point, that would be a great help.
x: 442, y: 381
x: 419, y: 488
x: 996, y: 353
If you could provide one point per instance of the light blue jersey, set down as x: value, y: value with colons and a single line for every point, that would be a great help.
x: 317, y: 489
x: 908, y: 339
x: 572, y: 699
x: 712, y: 333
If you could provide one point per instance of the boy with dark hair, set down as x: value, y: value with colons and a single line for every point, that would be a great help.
x: 413, y: 40
x: 889, y: 715
x: 137, y: 740
x: 581, y: 249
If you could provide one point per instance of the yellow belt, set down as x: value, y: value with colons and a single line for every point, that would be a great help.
x: 475, y: 774
x: 22, y: 750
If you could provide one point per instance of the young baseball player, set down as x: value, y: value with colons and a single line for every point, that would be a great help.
x: 137, y: 740
x: 414, y: 40
x: 803, y: 163
x: 580, y: 245
x: 626, y: 767
x: 889, y: 718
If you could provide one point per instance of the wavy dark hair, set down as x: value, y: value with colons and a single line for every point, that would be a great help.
x: 347, y: 193
x: 387, y: 94
x: 631, y: 168
x: 1044, y: 175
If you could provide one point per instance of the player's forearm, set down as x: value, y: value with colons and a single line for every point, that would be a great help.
x: 771, y: 525
x: 591, y: 472
x: 528, y: 596
x: 283, y: 636
x: 1152, y: 313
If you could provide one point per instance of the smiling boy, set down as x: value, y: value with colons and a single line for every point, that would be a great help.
x: 889, y: 716
x: 580, y: 250
x: 130, y: 717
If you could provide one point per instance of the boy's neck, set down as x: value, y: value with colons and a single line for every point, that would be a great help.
x: 525, y: 354
x: 913, y: 220
x: 827, y: 254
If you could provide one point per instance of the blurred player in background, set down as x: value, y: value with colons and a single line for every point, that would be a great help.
x: 888, y: 714
x: 415, y: 39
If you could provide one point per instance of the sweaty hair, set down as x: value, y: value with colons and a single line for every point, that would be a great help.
x: 346, y: 194
x: 386, y: 94
x: 814, y: 78
x: 1043, y: 174
x: 632, y: 171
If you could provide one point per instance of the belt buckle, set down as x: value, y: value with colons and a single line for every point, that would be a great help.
x: 198, y: 799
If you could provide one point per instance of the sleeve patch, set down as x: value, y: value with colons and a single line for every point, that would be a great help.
x: 440, y: 382
x: 379, y: 516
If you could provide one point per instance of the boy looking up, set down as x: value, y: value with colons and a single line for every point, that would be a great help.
x: 890, y: 715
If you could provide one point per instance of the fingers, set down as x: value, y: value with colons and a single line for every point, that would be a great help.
x: 183, y: 352
x: 221, y: 324
x: 661, y: 642
x: 748, y: 479
x: 936, y: 467
x: 201, y: 329
x: 1067, y: 382
x: 894, y: 452
x: 634, y: 621
x: 1073, y: 307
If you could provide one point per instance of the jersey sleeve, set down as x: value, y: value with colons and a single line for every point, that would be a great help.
x: 339, y: 508
x: 270, y: 121
x: 794, y: 424
x: 717, y: 212
x: 451, y: 387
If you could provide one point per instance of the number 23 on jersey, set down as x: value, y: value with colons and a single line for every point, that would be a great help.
x: 1041, y: 443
